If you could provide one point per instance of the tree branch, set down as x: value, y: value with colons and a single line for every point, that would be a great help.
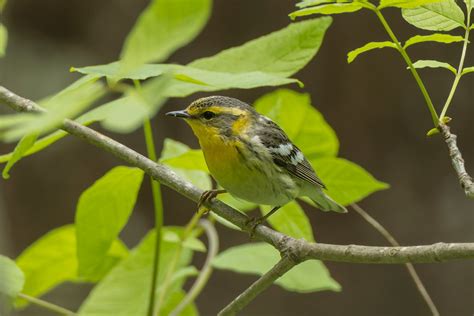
x: 411, y: 269
x: 298, y: 248
x: 293, y: 250
x: 283, y: 266
x: 458, y: 162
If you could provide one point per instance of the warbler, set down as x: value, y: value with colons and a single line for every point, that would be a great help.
x: 251, y: 157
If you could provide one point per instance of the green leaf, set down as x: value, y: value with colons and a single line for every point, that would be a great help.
x: 23, y: 145
x: 346, y: 182
x: 174, y: 149
x: 309, y: 276
x: 125, y: 290
x: 282, y: 53
x: 405, y: 3
x: 467, y: 70
x: 437, y: 37
x: 66, y: 104
x: 188, y: 80
x: 102, y: 212
x: 434, y: 64
x: 367, y: 47
x: 333, y: 8
x: 3, y: 39
x: 290, y: 220
x: 163, y: 27
x: 192, y: 159
x: 51, y: 260
x: 304, y: 125
x: 309, y: 3
x: 174, y: 234
x: 441, y: 16
x: 12, y: 281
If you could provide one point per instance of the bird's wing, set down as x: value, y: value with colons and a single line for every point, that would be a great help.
x: 285, y: 154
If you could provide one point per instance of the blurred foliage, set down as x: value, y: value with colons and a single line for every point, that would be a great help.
x: 91, y: 251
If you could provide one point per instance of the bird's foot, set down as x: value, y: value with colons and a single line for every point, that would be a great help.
x: 207, y: 196
x: 252, y: 223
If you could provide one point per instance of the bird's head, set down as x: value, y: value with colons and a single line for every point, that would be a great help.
x: 217, y: 115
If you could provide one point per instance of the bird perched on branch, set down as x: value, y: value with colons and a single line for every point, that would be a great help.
x: 251, y: 157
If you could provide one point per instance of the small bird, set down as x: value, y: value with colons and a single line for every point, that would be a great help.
x: 251, y: 157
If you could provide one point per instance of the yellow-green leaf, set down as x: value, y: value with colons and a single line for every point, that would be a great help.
x: 163, y: 27
x: 11, y: 283
x: 102, y: 212
x: 441, y: 16
x: 3, y: 39
x: 346, y: 182
x: 434, y: 64
x: 290, y: 220
x: 367, y: 47
x: 405, y: 3
x: 437, y: 37
x: 309, y: 276
x: 332, y: 8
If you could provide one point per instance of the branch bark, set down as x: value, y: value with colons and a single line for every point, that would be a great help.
x: 299, y: 249
x: 457, y: 161
x: 293, y: 250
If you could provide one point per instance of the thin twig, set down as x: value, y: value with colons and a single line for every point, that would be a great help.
x: 206, y: 271
x: 284, y: 265
x: 411, y: 269
x: 299, y: 249
x: 46, y: 305
x: 456, y: 159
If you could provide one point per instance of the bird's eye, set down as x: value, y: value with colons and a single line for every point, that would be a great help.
x: 208, y: 115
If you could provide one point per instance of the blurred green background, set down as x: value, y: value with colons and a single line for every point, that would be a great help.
x: 373, y: 104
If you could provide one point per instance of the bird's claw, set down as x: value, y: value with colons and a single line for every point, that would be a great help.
x: 207, y: 196
x: 252, y: 223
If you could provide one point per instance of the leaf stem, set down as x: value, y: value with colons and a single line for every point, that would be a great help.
x: 46, y: 305
x: 429, y: 103
x: 461, y: 63
x: 206, y: 271
x: 411, y: 269
x: 174, y: 261
x: 158, y: 209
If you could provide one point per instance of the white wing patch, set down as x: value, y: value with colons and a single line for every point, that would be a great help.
x: 283, y: 149
x: 298, y: 158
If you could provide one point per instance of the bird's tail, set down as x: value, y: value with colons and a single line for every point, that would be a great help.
x: 325, y: 203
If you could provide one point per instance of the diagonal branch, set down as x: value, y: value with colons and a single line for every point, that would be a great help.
x: 411, y: 269
x: 298, y: 249
x: 283, y: 266
x: 458, y: 162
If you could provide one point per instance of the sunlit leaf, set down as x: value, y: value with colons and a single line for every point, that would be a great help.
x: 125, y: 290
x: 174, y: 149
x: 290, y: 220
x: 442, y: 16
x: 309, y: 276
x: 282, y: 53
x: 346, y: 182
x: 405, y: 3
x: 309, y: 3
x: 66, y: 104
x: 305, y: 126
x: 21, y: 148
x: 11, y: 283
x: 102, y: 212
x: 367, y: 47
x: 332, y: 8
x: 440, y: 38
x: 51, y: 260
x: 163, y: 27
x: 434, y: 64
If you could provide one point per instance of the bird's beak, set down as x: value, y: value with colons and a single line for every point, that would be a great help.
x: 181, y: 114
